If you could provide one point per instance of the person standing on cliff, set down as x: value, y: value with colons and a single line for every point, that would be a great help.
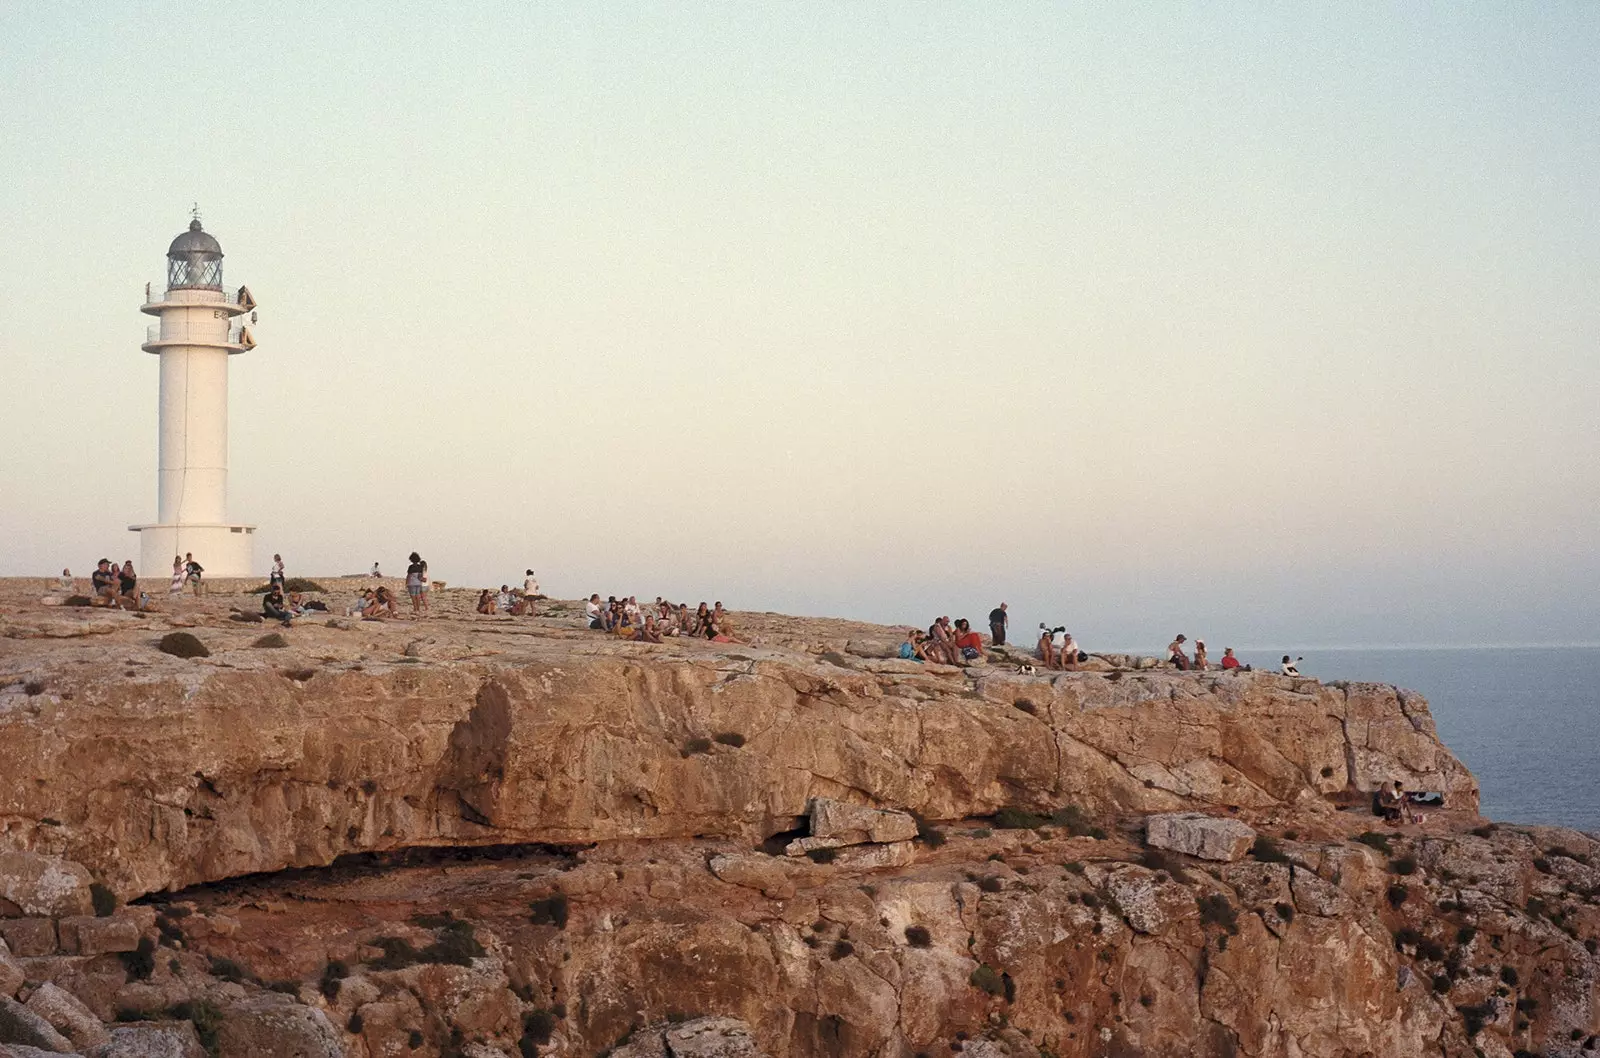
x: 999, y: 620
x: 416, y: 578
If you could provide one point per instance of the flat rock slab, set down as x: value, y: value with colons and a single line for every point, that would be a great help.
x: 849, y: 824
x: 167, y: 1039
x: 1195, y: 834
x: 67, y: 1014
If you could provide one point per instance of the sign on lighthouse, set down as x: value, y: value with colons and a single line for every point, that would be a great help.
x: 197, y: 334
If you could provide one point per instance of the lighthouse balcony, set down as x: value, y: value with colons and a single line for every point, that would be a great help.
x: 233, y: 302
x: 236, y: 339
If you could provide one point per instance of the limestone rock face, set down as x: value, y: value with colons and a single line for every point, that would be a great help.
x: 252, y: 761
x: 1194, y: 834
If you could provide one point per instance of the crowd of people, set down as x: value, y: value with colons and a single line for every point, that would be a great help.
x: 625, y: 618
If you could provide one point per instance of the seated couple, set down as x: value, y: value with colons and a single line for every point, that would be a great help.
x: 375, y: 604
x: 280, y: 608
x: 1396, y: 805
x: 1058, y: 650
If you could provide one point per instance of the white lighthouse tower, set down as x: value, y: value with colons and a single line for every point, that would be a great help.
x: 196, y: 336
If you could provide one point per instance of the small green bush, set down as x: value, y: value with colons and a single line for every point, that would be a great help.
x: 1285, y: 910
x: 982, y: 832
x: 1011, y: 818
x: 840, y: 949
x: 991, y: 884
x: 1267, y: 850
x: 1508, y: 975
x: 334, y: 972
x: 300, y: 584
x: 822, y: 855
x: 141, y: 962
x: 183, y: 645
x: 919, y: 937
x: 730, y: 738
x: 229, y: 970
x: 398, y: 953
x: 355, y: 1024
x: 206, y: 1018
x: 696, y: 745
x: 1441, y: 984
x: 538, y: 1025
x: 1403, y: 865
x: 1397, y: 894
x: 1465, y: 934
x: 985, y: 978
x: 1374, y: 840
x: 1075, y: 867
x: 1073, y: 819
x: 1216, y: 911
x: 927, y: 833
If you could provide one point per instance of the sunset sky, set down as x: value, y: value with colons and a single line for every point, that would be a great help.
x: 1273, y: 324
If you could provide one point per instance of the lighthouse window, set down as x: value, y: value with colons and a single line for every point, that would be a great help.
x: 236, y: 530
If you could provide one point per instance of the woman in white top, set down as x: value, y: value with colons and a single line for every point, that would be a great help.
x: 176, y: 587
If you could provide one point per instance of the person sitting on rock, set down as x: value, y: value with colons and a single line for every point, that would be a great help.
x: 911, y: 649
x: 67, y: 584
x: 1228, y: 659
x: 1200, y: 663
x: 968, y: 642
x: 1175, y: 655
x: 504, y: 600
x: 651, y: 632
x: 1047, y: 649
x: 1288, y: 668
x: 1069, y: 651
x: 106, y: 585
x: 382, y: 605
x: 591, y: 612
x: 1386, y: 802
x: 128, y: 586
x: 275, y: 606
x: 702, y: 617
x: 486, y: 602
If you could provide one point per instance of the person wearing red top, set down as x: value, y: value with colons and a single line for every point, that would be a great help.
x: 1228, y: 660
x: 970, y: 643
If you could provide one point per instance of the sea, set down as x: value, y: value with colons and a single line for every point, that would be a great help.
x: 1526, y: 720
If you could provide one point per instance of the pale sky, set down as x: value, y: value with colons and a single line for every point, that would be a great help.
x: 1270, y: 324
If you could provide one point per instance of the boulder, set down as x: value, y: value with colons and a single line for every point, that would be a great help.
x: 29, y: 938
x: 1194, y: 834
x: 163, y: 1039
x: 45, y: 885
x: 272, y: 1026
x: 68, y: 1016
x: 11, y: 974
x: 857, y: 824
x: 710, y: 1037
x: 754, y: 871
x: 184, y: 645
x: 19, y: 1025
x: 82, y: 935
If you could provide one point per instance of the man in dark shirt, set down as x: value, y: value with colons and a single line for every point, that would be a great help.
x: 998, y: 619
x: 192, y: 571
x: 273, y: 605
x: 105, y: 583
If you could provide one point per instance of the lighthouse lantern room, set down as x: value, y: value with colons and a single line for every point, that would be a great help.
x: 198, y: 331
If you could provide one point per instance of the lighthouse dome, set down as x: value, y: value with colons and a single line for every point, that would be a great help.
x: 194, y: 260
x: 194, y: 241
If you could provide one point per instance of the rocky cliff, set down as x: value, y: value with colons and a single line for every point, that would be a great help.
x: 480, y: 836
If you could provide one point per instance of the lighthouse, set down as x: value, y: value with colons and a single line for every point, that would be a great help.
x: 199, y: 330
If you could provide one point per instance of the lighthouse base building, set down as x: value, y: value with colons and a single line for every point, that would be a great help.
x: 197, y: 334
